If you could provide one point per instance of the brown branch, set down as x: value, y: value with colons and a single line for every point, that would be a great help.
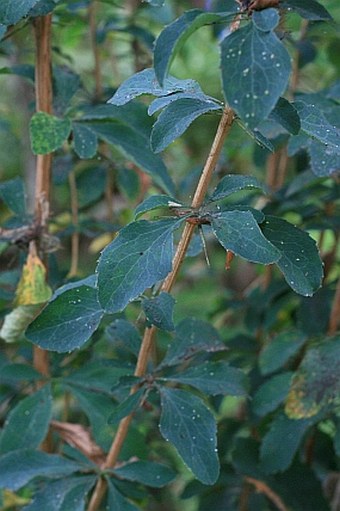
x: 43, y: 93
x: 75, y: 221
x: 149, y: 334
x: 262, y: 487
x: 334, y: 319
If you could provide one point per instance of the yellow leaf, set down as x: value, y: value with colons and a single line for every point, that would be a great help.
x: 32, y: 288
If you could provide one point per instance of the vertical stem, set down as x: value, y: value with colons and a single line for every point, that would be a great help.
x: 334, y: 319
x: 43, y: 93
x: 149, y: 334
x: 75, y: 221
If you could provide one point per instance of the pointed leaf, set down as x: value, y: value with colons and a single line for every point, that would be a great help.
x: 151, y: 474
x: 135, y: 147
x: 213, y: 378
x: 67, y: 494
x: 276, y: 454
x: 19, y: 467
x: 163, y: 101
x: 317, y: 381
x: 11, y: 11
x: 192, y: 337
x: 232, y: 183
x: 172, y: 38
x: 122, y: 333
x: 13, y: 194
x: 309, y: 9
x: 145, y: 82
x: 27, y: 423
x: 239, y: 232
x: 159, y: 311
x: 300, y: 261
x: 279, y: 350
x: 175, y: 119
x: 271, y: 394
x: 126, y: 407
x: 68, y: 321
x: 135, y: 260
x: 116, y: 501
x: 315, y: 124
x: 154, y: 202
x: 14, y: 373
x: 189, y: 425
x: 48, y: 132
x: 84, y: 140
x: 286, y: 114
x: 255, y: 70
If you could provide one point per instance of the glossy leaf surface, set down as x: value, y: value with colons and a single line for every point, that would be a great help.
x: 255, y: 69
x: 68, y: 321
x: 135, y: 260
x: 188, y: 424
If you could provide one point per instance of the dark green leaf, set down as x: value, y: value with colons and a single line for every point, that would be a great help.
x: 163, y: 101
x: 281, y: 442
x: 97, y: 408
x: 176, y: 118
x: 324, y: 160
x: 13, y: 194
x: 255, y: 71
x: 154, y: 202
x: 145, y: 82
x: 271, y: 394
x: 300, y: 261
x: 135, y: 260
x: 146, y: 472
x: 135, y: 147
x: 129, y: 405
x: 213, y: 378
x: 48, y: 132
x: 98, y: 376
x: 85, y: 140
x: 156, y: 3
x: 232, y: 183
x: 90, y: 281
x: 67, y: 494
x: 19, y: 467
x: 317, y: 381
x: 14, y: 373
x: 285, y: 114
x: 65, y: 85
x: 159, y: 311
x: 315, y: 124
x: 173, y: 37
x: 279, y: 350
x: 122, y: 333
x: 188, y: 424
x: 266, y: 21
x: 3, y: 30
x: 238, y: 231
x: 27, y: 423
x: 192, y: 337
x: 309, y: 9
x: 11, y: 11
x: 116, y: 501
x: 43, y: 7
x: 68, y: 321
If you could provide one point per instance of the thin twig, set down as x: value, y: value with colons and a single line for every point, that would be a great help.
x: 43, y: 92
x: 75, y: 221
x: 262, y: 487
x: 149, y: 334
x: 334, y: 319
